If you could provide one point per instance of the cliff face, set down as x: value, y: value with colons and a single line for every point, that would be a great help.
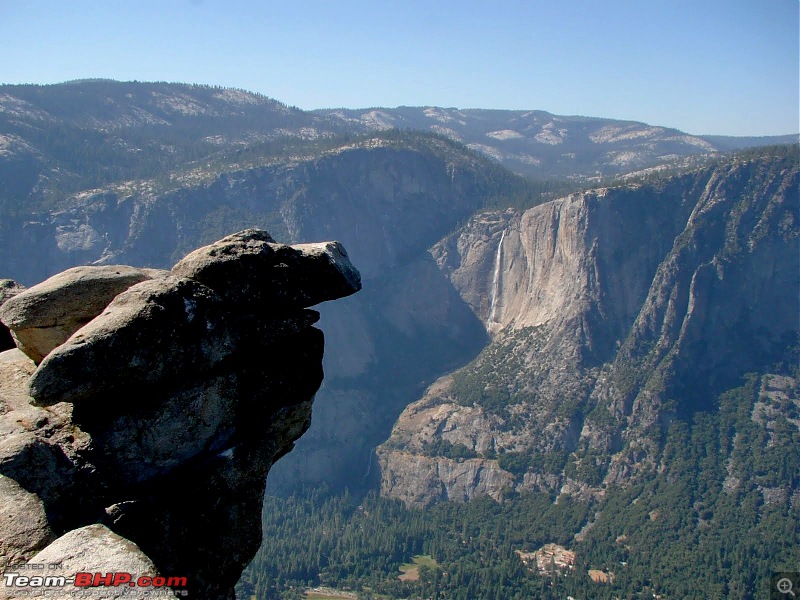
x: 387, y: 200
x: 612, y: 313
x: 148, y: 406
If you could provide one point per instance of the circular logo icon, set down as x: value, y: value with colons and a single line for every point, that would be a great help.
x: 785, y: 586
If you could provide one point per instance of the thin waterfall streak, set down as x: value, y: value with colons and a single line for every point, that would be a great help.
x: 369, y: 464
x: 496, y: 279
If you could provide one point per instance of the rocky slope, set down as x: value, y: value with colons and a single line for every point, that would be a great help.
x: 143, y: 409
x: 612, y: 313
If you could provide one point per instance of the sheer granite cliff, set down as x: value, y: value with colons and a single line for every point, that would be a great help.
x: 143, y: 409
x: 612, y: 313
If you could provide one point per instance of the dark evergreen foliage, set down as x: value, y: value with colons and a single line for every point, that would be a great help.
x: 717, y: 520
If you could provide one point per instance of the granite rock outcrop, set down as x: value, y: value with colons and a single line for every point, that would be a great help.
x: 43, y: 318
x: 152, y: 422
x: 8, y: 289
x: 613, y: 313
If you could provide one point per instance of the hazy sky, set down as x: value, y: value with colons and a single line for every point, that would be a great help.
x: 703, y: 66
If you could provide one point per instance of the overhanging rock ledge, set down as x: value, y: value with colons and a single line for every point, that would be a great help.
x: 142, y: 409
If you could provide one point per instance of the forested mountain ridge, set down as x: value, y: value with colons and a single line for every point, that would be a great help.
x: 539, y: 143
x: 613, y: 314
x: 79, y: 134
x: 197, y: 201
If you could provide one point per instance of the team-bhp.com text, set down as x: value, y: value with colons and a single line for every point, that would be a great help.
x: 90, y: 580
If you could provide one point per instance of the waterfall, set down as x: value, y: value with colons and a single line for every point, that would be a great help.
x: 369, y: 464
x: 496, y: 279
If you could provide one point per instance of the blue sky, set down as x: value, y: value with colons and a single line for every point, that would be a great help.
x: 703, y: 66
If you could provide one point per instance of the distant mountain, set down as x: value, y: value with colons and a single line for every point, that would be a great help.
x: 727, y: 142
x: 69, y: 137
x: 77, y: 134
x: 637, y: 404
x: 542, y: 144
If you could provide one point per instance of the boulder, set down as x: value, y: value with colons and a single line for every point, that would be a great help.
x: 8, y: 289
x: 154, y: 332
x: 90, y: 549
x: 250, y: 269
x: 24, y: 529
x: 45, y: 315
x: 38, y: 447
x: 38, y: 465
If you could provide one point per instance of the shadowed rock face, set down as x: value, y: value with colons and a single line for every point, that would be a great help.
x: 162, y: 406
x: 8, y: 289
